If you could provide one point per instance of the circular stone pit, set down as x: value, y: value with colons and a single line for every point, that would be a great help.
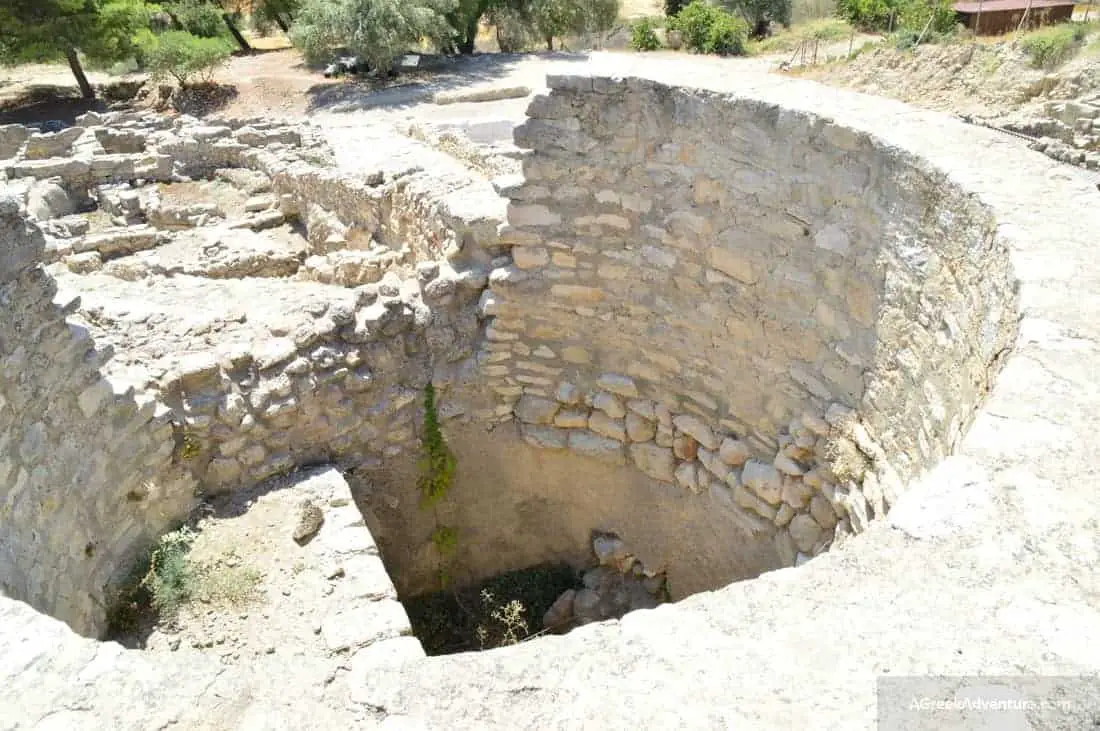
x: 799, y: 316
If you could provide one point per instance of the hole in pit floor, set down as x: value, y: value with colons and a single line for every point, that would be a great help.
x: 499, y: 611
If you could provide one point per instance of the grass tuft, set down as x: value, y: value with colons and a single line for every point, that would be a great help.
x: 1052, y: 46
x: 824, y: 30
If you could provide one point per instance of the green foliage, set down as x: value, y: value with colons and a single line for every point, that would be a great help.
x: 445, y: 542
x: 916, y: 14
x: 710, y: 29
x: 1054, y: 45
x: 873, y: 15
x: 166, y: 579
x: 186, y: 58
x: 694, y: 22
x: 378, y: 31
x: 910, y: 17
x: 643, y: 37
x: 437, y: 462
x: 43, y: 30
x: 727, y: 36
x: 437, y: 470
x: 672, y: 7
x: 759, y: 14
x: 823, y: 30
x: 197, y: 17
x: 512, y: 28
x: 550, y: 19
x: 275, y: 12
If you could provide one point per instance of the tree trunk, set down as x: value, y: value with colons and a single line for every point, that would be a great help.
x: 549, y: 43
x: 236, y: 33
x: 469, y: 37
x: 281, y: 23
x: 86, y: 89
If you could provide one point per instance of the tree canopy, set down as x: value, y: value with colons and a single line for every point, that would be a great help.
x: 49, y: 30
x: 378, y: 31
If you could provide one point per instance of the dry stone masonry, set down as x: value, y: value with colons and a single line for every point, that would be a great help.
x: 737, y: 316
x: 204, y: 348
x: 770, y: 302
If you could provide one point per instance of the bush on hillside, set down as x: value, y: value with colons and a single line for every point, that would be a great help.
x: 643, y: 37
x: 727, y: 36
x: 1053, y: 46
x: 709, y: 29
x: 910, y: 20
x: 184, y: 57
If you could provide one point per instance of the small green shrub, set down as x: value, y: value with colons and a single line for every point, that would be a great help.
x: 694, y: 22
x: 709, y: 29
x: 511, y: 626
x: 643, y: 37
x: 184, y: 57
x: 1052, y: 46
x: 905, y: 39
x: 166, y: 579
x: 727, y: 36
x: 168, y: 576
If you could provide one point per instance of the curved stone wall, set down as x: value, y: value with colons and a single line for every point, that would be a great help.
x: 742, y: 300
x: 740, y: 330
x: 86, y: 467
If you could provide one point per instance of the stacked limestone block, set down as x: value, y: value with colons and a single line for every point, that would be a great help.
x: 86, y: 464
x: 224, y: 365
x: 743, y: 305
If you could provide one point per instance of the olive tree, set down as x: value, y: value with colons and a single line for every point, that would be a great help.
x: 378, y: 31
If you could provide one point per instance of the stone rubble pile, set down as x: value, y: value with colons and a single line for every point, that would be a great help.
x: 1068, y: 131
x: 618, y: 584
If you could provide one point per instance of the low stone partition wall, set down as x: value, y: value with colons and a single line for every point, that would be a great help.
x: 164, y: 402
x: 742, y: 300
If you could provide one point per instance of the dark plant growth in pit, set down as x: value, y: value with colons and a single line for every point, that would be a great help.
x: 503, y: 610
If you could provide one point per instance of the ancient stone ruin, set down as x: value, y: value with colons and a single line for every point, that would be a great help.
x: 722, y: 335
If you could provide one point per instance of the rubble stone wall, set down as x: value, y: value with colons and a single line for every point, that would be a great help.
x: 118, y: 412
x: 737, y: 297
x: 87, y: 469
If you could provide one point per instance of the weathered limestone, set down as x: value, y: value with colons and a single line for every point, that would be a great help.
x: 987, y: 530
x: 735, y: 311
